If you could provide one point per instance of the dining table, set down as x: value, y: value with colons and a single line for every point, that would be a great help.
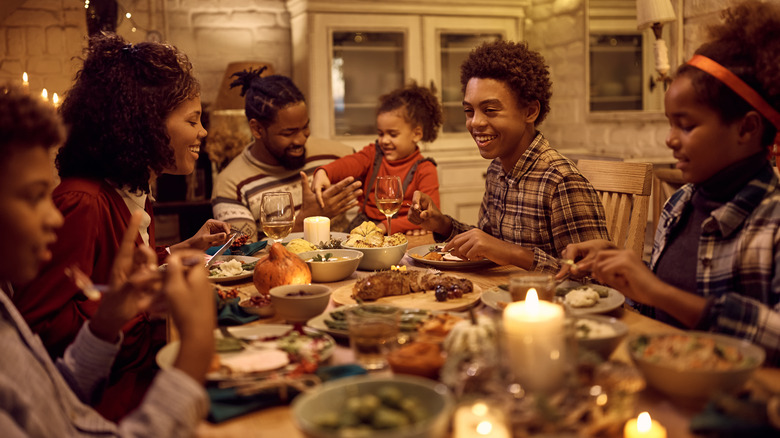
x: 278, y: 421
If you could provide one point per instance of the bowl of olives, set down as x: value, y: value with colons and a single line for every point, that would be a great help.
x: 375, y: 406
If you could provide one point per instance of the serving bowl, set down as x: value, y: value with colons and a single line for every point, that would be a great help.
x: 600, y: 334
x: 426, y: 403
x: 375, y: 259
x: 257, y: 306
x: 299, y: 302
x: 693, y: 366
x: 341, y: 264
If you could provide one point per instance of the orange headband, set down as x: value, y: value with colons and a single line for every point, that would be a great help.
x: 742, y: 89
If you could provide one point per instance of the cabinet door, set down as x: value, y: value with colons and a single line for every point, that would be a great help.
x: 356, y: 59
x: 447, y: 41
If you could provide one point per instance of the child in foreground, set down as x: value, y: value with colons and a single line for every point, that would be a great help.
x: 405, y: 117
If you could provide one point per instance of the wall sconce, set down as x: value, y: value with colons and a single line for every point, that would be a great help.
x: 653, y: 14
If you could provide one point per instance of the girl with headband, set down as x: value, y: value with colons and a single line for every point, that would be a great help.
x: 715, y: 264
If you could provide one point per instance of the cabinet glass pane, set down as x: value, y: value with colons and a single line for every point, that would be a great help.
x: 455, y: 48
x: 365, y: 66
x: 615, y: 72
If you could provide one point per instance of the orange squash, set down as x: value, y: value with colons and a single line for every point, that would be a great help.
x: 278, y: 268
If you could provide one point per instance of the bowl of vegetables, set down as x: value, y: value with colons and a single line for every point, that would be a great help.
x: 329, y: 265
x: 693, y: 366
x: 600, y: 334
x: 375, y: 406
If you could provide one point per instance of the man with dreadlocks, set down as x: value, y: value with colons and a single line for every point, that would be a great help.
x: 278, y: 159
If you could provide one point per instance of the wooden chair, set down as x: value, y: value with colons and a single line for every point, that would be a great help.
x: 624, y: 189
x: 665, y: 182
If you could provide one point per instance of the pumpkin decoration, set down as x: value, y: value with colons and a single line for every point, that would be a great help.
x: 472, y: 356
x: 278, y: 268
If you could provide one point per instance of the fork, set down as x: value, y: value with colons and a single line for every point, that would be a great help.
x: 83, y: 282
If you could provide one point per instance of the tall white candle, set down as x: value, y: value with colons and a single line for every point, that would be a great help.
x: 316, y: 229
x: 536, y: 342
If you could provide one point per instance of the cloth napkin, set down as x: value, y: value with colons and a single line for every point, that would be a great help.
x: 714, y: 422
x: 226, y: 404
x: 244, y: 250
x: 230, y: 313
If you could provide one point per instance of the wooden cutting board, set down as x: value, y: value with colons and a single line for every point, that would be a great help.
x: 418, y: 300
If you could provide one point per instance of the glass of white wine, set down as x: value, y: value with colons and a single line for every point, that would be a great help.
x: 277, y: 215
x: 389, y: 195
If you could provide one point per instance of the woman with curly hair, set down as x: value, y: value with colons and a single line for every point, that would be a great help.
x: 536, y: 202
x: 715, y: 264
x: 404, y: 117
x: 133, y: 113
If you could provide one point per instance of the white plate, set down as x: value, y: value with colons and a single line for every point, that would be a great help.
x: 243, y: 275
x: 418, y: 252
x: 495, y: 295
x: 259, y: 335
x: 333, y: 235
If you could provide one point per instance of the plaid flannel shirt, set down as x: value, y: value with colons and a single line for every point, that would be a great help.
x: 544, y: 204
x: 738, y: 266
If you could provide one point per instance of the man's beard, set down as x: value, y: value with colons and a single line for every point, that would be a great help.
x: 290, y: 162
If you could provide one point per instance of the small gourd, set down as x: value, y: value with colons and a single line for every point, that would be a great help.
x: 471, y: 337
x: 472, y: 364
x: 278, y: 268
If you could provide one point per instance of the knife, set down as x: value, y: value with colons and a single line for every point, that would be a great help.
x: 222, y: 249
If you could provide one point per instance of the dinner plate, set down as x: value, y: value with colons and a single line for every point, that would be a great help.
x: 418, y: 300
x: 495, y: 297
x: 261, y: 337
x: 241, y: 276
x: 418, y: 252
x: 333, y: 235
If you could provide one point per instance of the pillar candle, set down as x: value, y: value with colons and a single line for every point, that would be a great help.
x: 643, y: 427
x: 479, y: 420
x: 316, y: 229
x: 535, y: 342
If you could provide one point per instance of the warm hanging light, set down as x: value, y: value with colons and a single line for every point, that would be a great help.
x: 653, y: 14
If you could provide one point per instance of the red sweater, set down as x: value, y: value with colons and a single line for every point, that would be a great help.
x: 361, y: 166
x: 96, y: 217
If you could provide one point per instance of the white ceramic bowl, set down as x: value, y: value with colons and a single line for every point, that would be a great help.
x: 686, y: 381
x: 433, y: 398
x: 294, y: 307
x: 590, y: 332
x: 375, y: 259
x: 332, y: 270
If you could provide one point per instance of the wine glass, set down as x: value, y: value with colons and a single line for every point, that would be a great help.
x: 389, y: 194
x: 277, y: 215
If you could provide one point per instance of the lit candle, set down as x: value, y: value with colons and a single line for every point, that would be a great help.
x: 536, y: 342
x: 479, y: 420
x: 643, y: 427
x: 25, y: 83
x: 45, y: 95
x: 316, y: 229
x: 55, y: 100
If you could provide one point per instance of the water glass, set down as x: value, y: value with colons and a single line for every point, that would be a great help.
x: 373, y: 333
x: 544, y: 284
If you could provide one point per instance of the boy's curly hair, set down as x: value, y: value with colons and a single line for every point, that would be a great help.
x: 117, y: 108
x: 265, y: 96
x: 420, y: 105
x: 747, y: 43
x: 26, y: 122
x: 513, y: 63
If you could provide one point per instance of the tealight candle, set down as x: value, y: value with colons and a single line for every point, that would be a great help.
x: 536, y: 342
x: 643, y: 427
x: 55, y: 100
x: 316, y: 229
x: 45, y: 95
x: 25, y: 83
x: 479, y: 420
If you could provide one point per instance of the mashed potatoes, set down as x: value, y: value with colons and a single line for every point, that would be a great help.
x: 297, y: 246
x: 583, y: 297
x: 227, y: 269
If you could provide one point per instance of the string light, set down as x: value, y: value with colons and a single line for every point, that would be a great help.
x: 134, y: 27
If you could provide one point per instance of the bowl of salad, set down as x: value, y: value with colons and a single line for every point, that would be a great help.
x: 329, y: 265
x: 693, y: 366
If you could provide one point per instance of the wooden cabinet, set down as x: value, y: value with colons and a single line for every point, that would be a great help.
x: 346, y: 54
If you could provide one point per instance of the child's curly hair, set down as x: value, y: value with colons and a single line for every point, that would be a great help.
x: 747, y: 43
x: 265, y: 96
x: 521, y: 69
x: 26, y: 122
x: 117, y: 108
x: 420, y: 105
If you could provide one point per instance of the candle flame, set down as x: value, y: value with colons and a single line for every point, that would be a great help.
x: 45, y: 94
x: 644, y: 422
x: 55, y: 99
x: 479, y: 409
x: 484, y: 427
x: 24, y: 77
x: 532, y: 300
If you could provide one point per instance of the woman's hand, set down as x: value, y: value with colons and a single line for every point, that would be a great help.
x: 583, y: 254
x: 134, y: 286
x: 212, y: 233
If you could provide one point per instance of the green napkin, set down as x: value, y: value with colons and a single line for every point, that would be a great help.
x: 715, y: 423
x: 230, y: 313
x: 244, y: 250
x: 226, y: 404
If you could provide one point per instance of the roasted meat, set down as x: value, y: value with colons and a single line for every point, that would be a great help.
x: 389, y: 283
